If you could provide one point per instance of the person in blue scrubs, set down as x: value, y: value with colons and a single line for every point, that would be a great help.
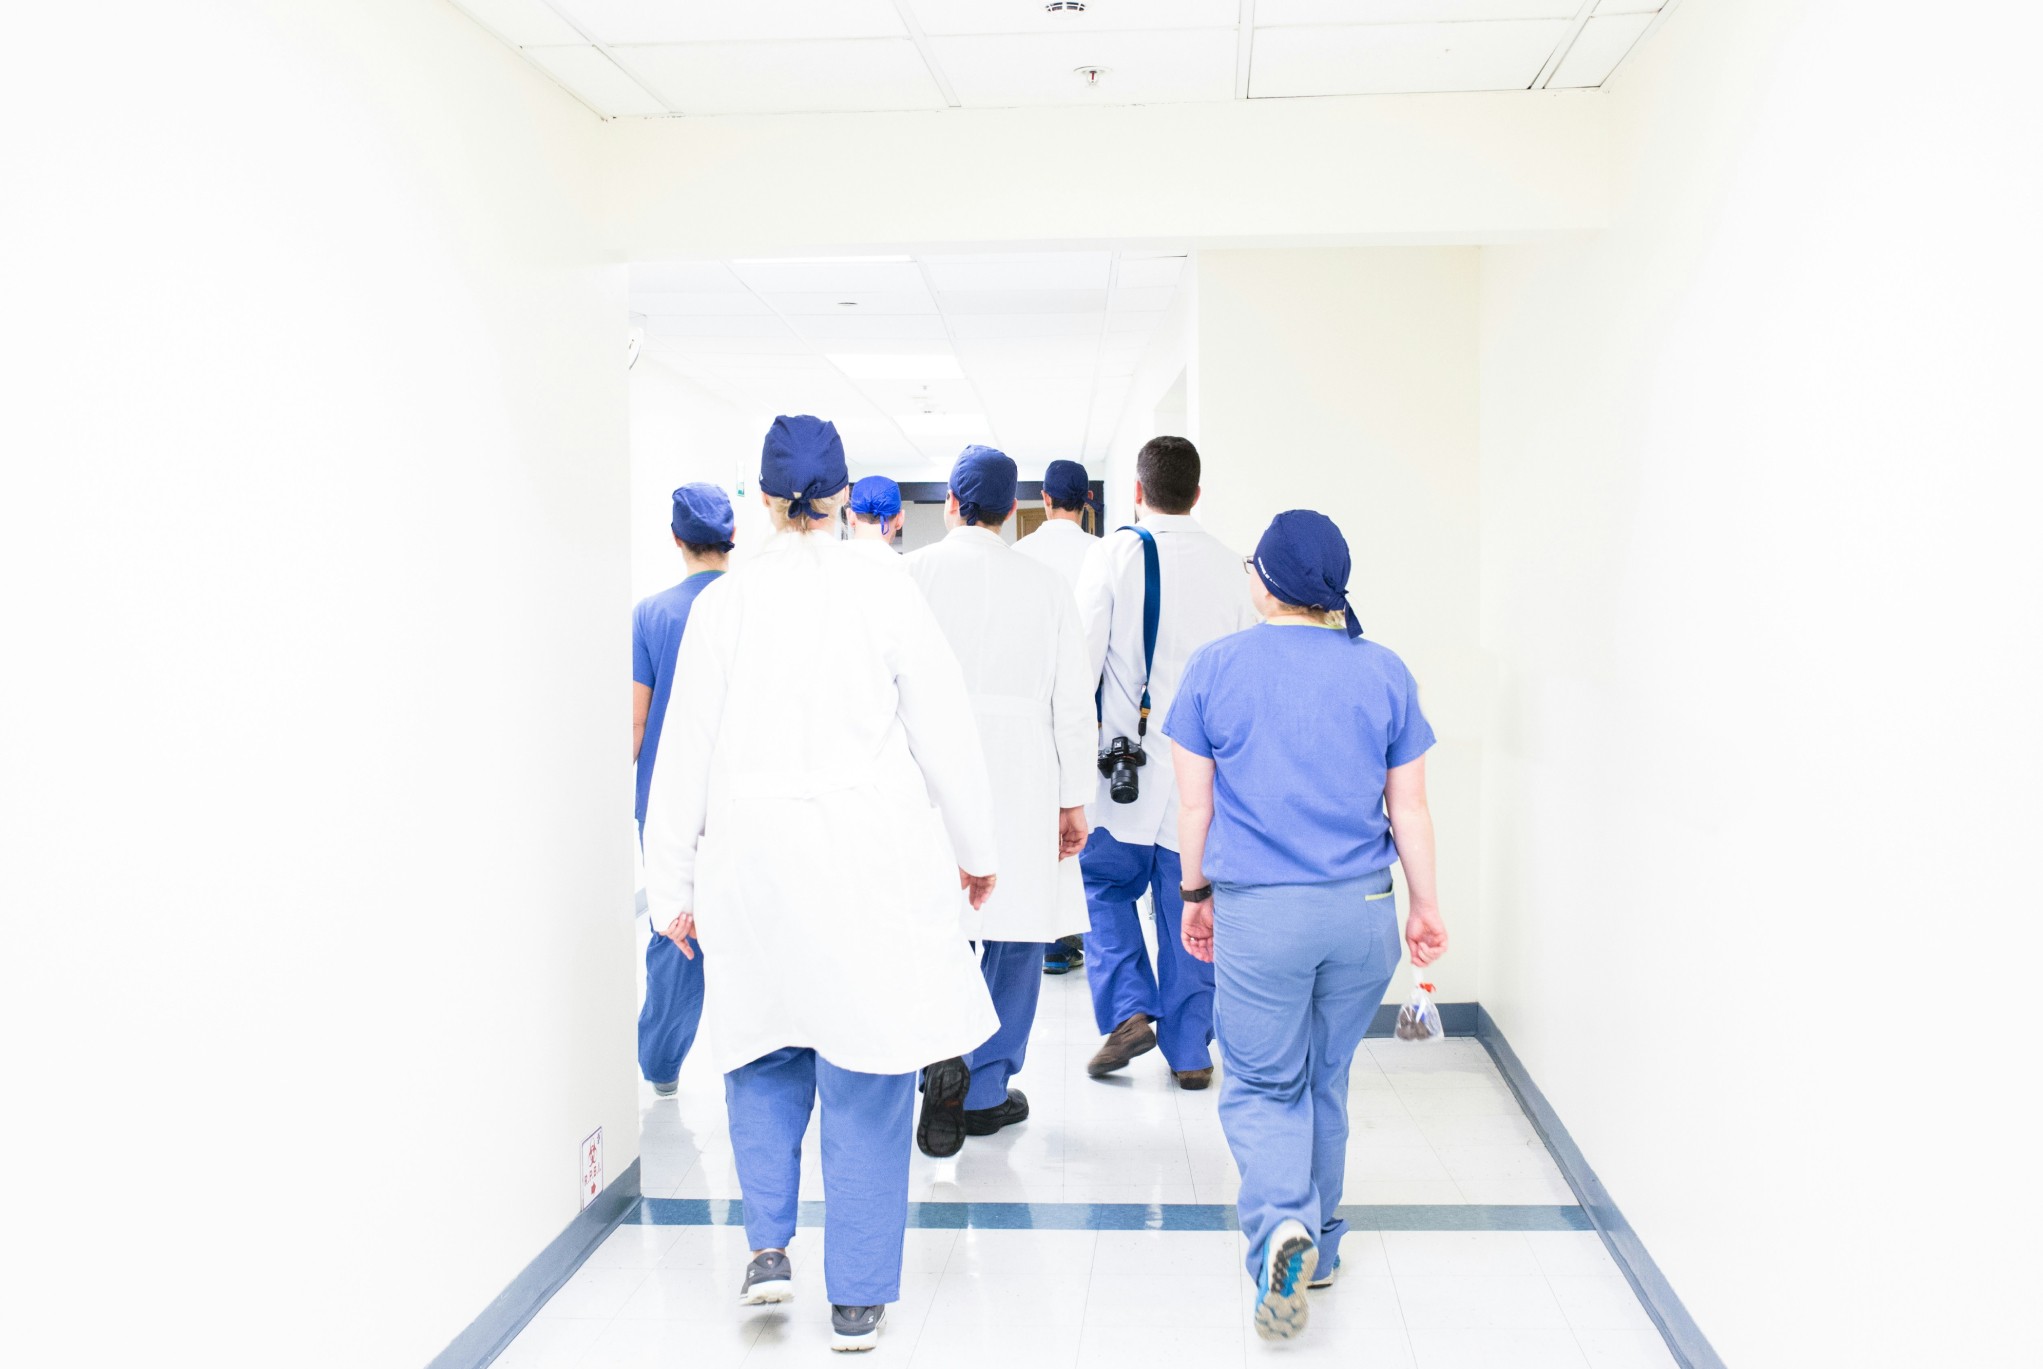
x: 703, y: 527
x: 1300, y: 749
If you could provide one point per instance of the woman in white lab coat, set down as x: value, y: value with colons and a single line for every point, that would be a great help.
x: 817, y: 710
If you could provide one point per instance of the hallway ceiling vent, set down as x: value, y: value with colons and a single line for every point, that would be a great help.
x: 1065, y: 7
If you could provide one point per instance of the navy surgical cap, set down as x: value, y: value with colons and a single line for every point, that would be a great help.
x: 876, y: 496
x: 984, y: 481
x: 702, y: 515
x: 1303, y: 560
x: 1065, y: 482
x: 803, y: 461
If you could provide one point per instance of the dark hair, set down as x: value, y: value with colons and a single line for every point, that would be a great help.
x: 1168, y: 468
x: 701, y: 549
x: 1072, y: 505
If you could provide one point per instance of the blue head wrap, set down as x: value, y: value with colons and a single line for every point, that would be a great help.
x: 702, y: 514
x: 984, y: 481
x: 1065, y: 482
x: 876, y: 496
x: 803, y: 461
x: 1303, y: 560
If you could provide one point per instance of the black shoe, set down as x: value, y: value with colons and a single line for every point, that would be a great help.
x: 941, y: 1132
x: 1066, y: 954
x: 1132, y: 1038
x: 986, y: 1121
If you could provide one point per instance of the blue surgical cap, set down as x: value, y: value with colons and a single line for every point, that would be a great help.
x: 876, y: 496
x: 984, y: 481
x: 803, y: 461
x: 702, y: 514
x: 1065, y: 482
x: 1303, y: 560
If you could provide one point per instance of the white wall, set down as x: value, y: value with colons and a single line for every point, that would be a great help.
x: 1344, y: 380
x: 319, y: 951
x: 1761, y: 572
x: 681, y: 433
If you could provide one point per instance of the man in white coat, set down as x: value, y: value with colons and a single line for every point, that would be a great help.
x: 1014, y: 629
x: 817, y: 709
x: 876, y: 519
x: 1062, y: 544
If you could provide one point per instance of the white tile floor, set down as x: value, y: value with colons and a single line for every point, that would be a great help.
x: 1431, y: 1124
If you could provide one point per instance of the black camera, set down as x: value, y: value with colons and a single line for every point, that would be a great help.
x: 1119, y: 763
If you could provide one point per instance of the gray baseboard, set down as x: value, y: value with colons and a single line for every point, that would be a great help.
x: 491, y: 1333
x: 1684, y: 1338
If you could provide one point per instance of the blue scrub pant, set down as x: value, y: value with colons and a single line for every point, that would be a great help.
x: 868, y: 1127
x: 1178, y: 994
x: 1300, y: 969
x: 673, y: 1008
x: 1014, y: 976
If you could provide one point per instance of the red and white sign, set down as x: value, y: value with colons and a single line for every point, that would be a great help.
x: 592, y: 1166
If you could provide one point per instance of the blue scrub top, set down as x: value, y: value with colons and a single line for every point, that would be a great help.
x: 656, y: 627
x: 1302, y: 723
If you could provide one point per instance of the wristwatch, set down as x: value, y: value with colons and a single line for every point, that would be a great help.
x: 1198, y: 895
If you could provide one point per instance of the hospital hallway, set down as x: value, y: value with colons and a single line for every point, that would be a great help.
x: 1551, y: 490
x: 1100, y: 1232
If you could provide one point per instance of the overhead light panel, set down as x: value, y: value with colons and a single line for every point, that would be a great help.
x: 943, y: 425
x: 896, y: 366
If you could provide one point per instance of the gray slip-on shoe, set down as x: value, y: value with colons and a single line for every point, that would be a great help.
x: 769, y: 1278
x: 856, y: 1328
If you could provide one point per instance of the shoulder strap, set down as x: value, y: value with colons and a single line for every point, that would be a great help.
x: 1152, y: 610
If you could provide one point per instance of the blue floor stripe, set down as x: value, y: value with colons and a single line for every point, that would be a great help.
x: 1137, y: 1216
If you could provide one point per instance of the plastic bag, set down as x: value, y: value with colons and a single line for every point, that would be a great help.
x: 1418, y: 1019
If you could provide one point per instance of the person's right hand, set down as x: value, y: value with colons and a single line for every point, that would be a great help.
x: 1195, y: 929
x: 1071, y: 831
x: 1425, y: 934
x: 978, y: 887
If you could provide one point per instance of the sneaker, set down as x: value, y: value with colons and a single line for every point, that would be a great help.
x: 941, y: 1132
x: 1132, y: 1038
x: 857, y: 1328
x: 668, y: 1089
x: 986, y: 1121
x: 1324, y: 1278
x: 769, y: 1278
x: 1281, y: 1307
x: 1065, y: 955
x: 1194, y: 1079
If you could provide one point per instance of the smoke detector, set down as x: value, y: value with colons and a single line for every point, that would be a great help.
x: 1090, y: 75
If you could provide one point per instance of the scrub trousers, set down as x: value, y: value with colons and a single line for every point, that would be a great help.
x: 673, y: 1008
x: 1014, y: 976
x: 1300, y: 970
x: 867, y: 1130
x: 1178, y: 994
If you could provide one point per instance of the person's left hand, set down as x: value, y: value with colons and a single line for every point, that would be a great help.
x: 679, y: 930
x: 1197, y: 930
x: 1071, y: 831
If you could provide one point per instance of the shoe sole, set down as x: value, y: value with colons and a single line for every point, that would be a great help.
x: 940, y: 1133
x: 1281, y: 1315
x: 854, y: 1344
x: 767, y: 1291
x: 1057, y: 969
x: 1098, y: 1071
x: 980, y: 1129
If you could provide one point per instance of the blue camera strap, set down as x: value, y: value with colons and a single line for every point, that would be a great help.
x: 1152, y: 611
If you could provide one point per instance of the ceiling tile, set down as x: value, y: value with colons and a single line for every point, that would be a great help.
x: 1024, y: 301
x: 1157, y: 67
x: 1152, y: 299
x: 1029, y: 357
x: 853, y: 303
x: 965, y: 326
x: 912, y: 396
x: 522, y: 23
x: 1271, y: 13
x: 716, y: 326
x: 703, y: 276
x: 697, y: 302
x: 1124, y: 325
x: 1145, y: 272
x: 823, y: 277
x: 1030, y: 16
x: 787, y: 78
x: 596, y: 79
x: 1037, y: 271
x: 1402, y: 58
x: 1602, y: 44
x: 873, y: 328
x: 1631, y: 6
x: 691, y: 21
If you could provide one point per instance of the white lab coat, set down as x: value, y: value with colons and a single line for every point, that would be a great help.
x: 874, y: 550
x: 1061, y: 545
x: 1205, y: 595
x: 1015, y: 631
x: 817, y: 715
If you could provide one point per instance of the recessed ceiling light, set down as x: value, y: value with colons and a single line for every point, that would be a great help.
x: 1065, y: 7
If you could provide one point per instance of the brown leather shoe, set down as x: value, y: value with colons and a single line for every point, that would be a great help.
x: 1132, y: 1038
x: 1194, y: 1079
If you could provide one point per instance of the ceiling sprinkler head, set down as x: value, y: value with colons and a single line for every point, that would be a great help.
x: 1090, y: 75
